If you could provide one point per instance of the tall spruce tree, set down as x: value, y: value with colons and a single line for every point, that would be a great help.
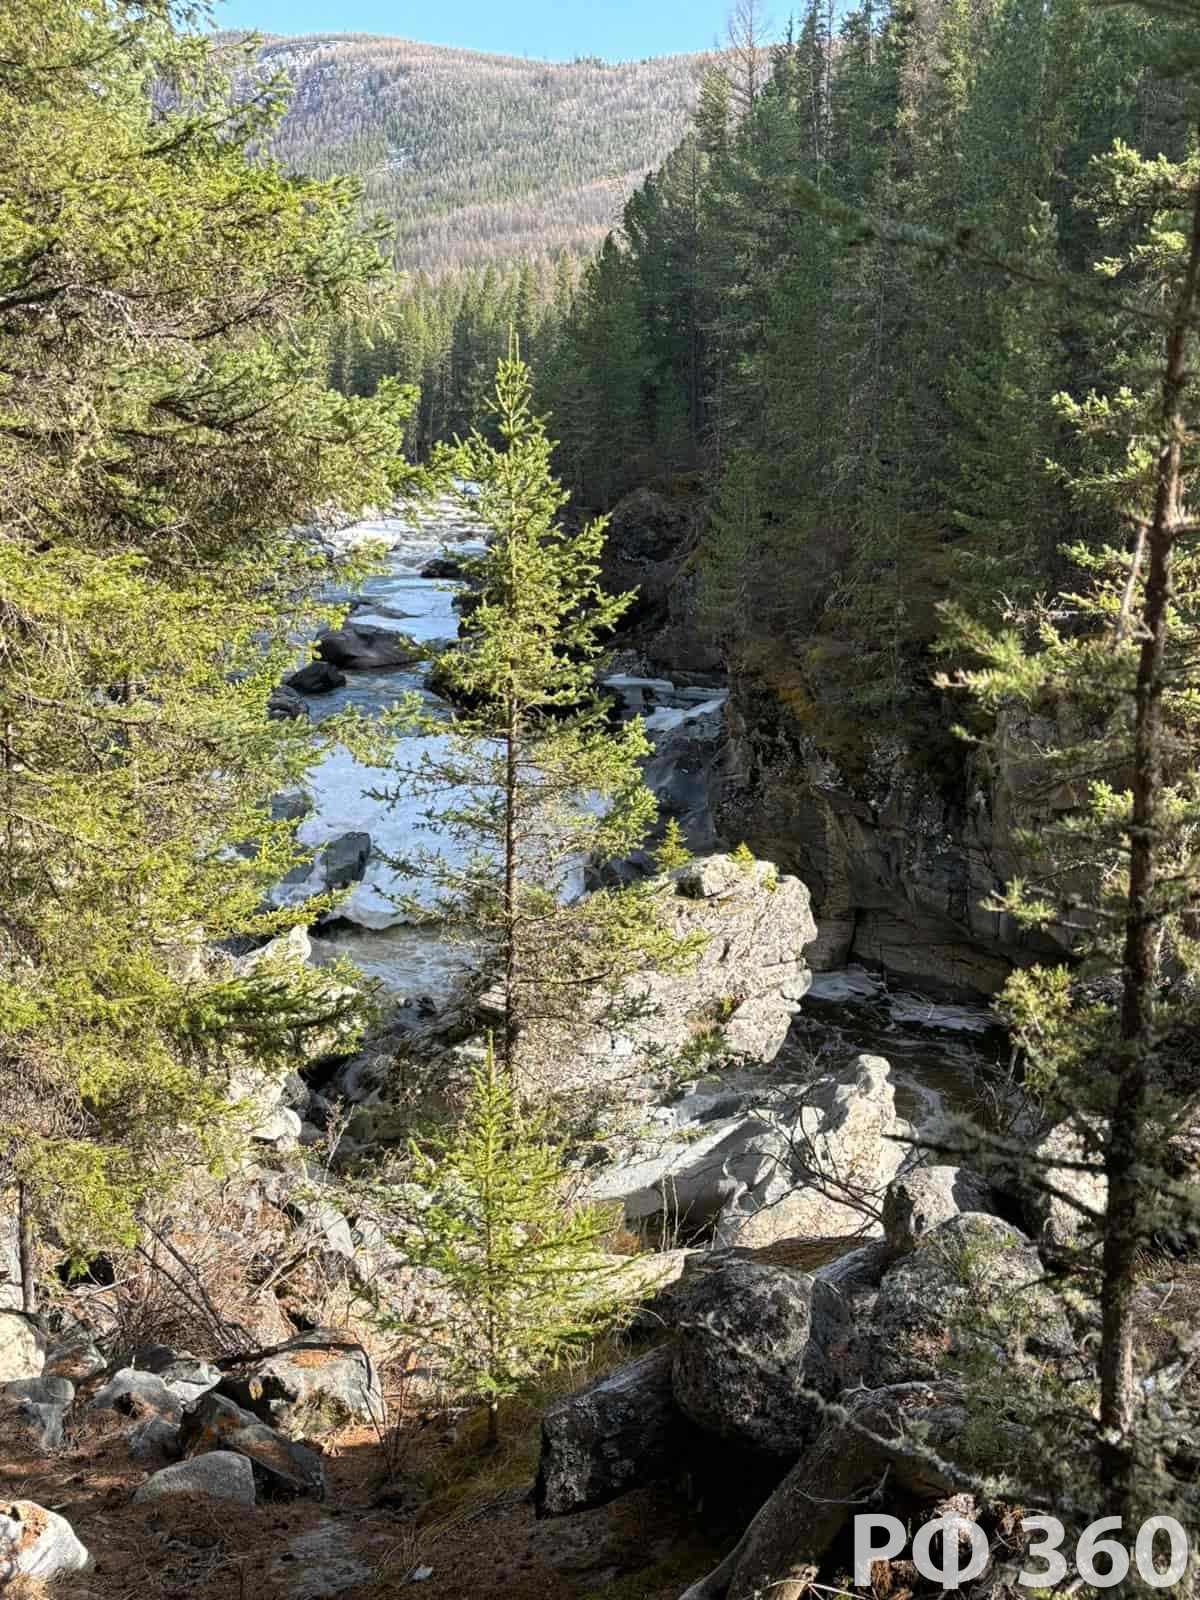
x: 165, y: 305
x: 1113, y: 663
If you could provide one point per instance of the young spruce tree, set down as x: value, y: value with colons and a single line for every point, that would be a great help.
x: 531, y: 782
x: 525, y: 1277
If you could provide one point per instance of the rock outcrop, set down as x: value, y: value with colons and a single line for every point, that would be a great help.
x: 799, y: 1161
x: 899, y: 865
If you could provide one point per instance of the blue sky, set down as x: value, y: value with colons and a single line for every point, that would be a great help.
x: 554, y: 29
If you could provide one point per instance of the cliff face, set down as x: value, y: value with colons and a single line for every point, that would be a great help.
x: 898, y: 860
x: 898, y: 869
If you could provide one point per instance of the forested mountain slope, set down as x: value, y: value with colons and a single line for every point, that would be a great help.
x: 478, y: 156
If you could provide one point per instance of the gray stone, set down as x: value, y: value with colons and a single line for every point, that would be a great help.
x: 1051, y: 1218
x: 291, y: 805
x: 36, y: 1543
x: 615, y: 1434
x: 42, y: 1405
x: 315, y: 1383
x: 282, y: 1468
x: 736, y: 1000
x: 812, y: 1165
x: 220, y: 1475
x: 284, y: 704
x: 323, y: 1227
x: 134, y: 1393
x: 362, y: 647
x: 344, y: 860
x: 973, y: 1284
x: 11, y: 1297
x: 920, y: 1200
x: 187, y: 1378
x: 155, y: 1443
x: 746, y: 1351
x: 22, y: 1347
x: 318, y: 677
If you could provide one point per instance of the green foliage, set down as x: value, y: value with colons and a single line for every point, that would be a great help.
x: 672, y: 853
x: 164, y: 299
x: 1096, y: 694
x: 523, y: 1272
x: 530, y: 782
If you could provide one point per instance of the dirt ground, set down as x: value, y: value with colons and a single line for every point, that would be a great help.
x: 460, y: 1518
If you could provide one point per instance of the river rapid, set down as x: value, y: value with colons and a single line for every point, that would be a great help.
x: 946, y: 1056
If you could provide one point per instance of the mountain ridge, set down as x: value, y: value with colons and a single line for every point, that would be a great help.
x: 474, y: 156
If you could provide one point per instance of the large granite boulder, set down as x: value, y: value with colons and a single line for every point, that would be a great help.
x: 133, y: 1393
x: 22, y: 1347
x: 813, y: 1165
x: 313, y: 1384
x: 736, y: 1000
x: 750, y: 1353
x: 616, y: 1433
x: 973, y: 1285
x: 1053, y: 1218
x: 221, y: 1475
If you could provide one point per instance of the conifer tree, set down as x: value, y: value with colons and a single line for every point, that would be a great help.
x: 166, y: 302
x: 1115, y: 663
x: 525, y: 1276
x: 532, y: 783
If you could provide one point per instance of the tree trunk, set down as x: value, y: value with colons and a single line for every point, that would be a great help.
x: 511, y: 956
x: 1143, y: 919
x: 27, y: 1250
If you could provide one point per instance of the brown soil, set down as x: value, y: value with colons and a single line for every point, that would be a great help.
x: 452, y: 1508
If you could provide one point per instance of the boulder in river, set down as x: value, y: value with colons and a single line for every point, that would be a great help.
x: 286, y: 704
x: 445, y: 568
x: 363, y: 647
x: 344, y: 860
x: 318, y: 677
